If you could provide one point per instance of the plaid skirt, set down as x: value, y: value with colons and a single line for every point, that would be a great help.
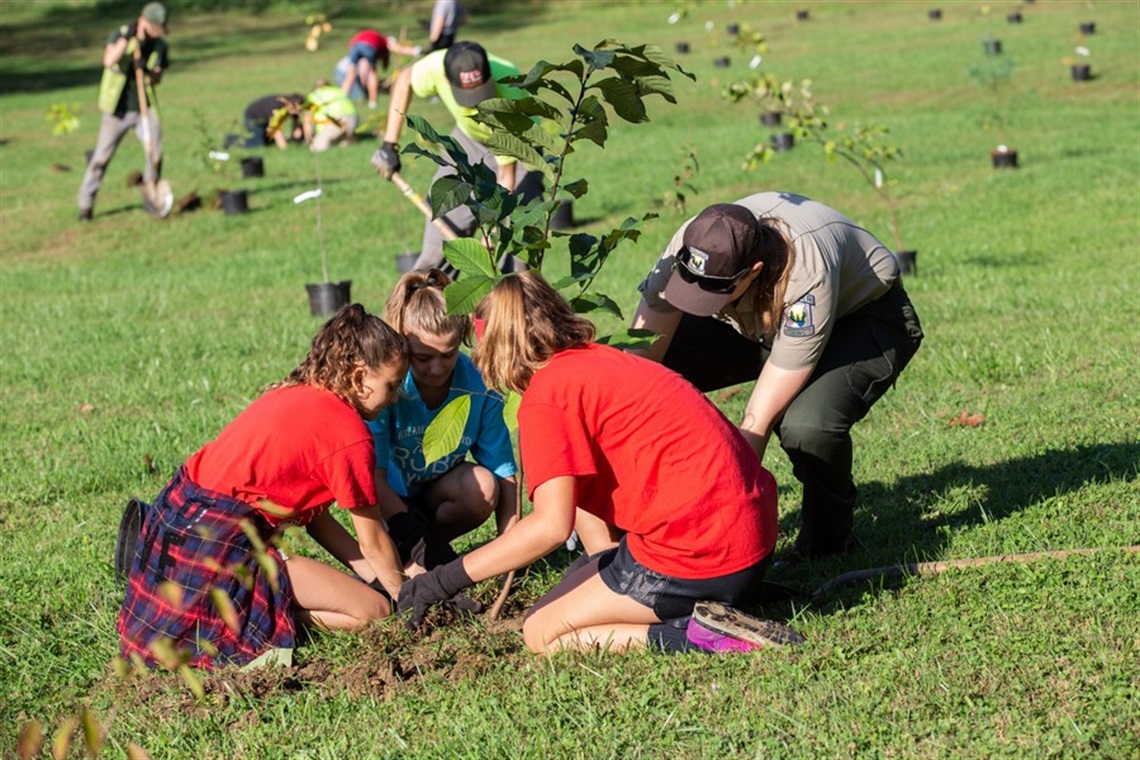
x: 206, y: 588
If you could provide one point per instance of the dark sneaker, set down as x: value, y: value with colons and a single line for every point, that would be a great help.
x: 716, y: 627
x: 85, y: 215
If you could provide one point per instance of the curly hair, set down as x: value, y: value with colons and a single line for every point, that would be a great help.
x: 526, y: 323
x: 352, y: 338
x: 417, y: 305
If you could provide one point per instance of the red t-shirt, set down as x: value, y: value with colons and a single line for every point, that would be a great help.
x: 371, y: 38
x: 652, y: 456
x: 300, y: 447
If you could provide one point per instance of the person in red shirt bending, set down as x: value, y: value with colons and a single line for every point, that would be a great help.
x: 665, y: 493
x: 207, y: 585
x: 368, y: 52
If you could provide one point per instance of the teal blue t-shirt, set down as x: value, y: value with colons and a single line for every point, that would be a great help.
x: 398, y: 432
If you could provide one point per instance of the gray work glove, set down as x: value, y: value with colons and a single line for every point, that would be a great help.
x: 386, y: 160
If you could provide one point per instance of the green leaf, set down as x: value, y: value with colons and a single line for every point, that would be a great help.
x: 588, y: 302
x: 623, y: 97
x: 464, y: 295
x: 630, y: 339
x: 656, y: 85
x: 529, y: 107
x: 507, y: 144
x: 423, y: 128
x: 511, y: 410
x: 577, y: 188
x: 469, y: 257
x: 445, y: 432
x: 447, y: 193
x: 595, y: 59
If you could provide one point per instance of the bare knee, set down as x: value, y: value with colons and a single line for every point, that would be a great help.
x: 485, y: 494
x: 535, y: 635
x: 371, y: 606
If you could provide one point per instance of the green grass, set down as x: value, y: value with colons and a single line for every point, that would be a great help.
x: 127, y: 344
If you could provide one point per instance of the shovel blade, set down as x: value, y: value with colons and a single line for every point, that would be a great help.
x: 158, y: 198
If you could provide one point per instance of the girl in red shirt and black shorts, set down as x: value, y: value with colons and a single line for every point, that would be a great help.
x: 675, y: 508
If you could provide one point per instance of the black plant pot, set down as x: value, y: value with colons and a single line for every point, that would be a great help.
x: 770, y: 118
x: 802, y: 14
x: 682, y: 47
x: 993, y: 47
x: 1088, y: 27
x: 908, y: 262
x: 1004, y: 159
x: 722, y: 63
x: 783, y: 141
x: 935, y: 14
x: 327, y: 298
x: 733, y: 29
x: 252, y: 167
x: 406, y: 262
x: 1014, y: 18
x: 234, y: 202
x: 563, y: 217
x: 1082, y: 72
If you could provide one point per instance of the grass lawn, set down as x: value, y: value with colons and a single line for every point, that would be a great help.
x: 127, y: 343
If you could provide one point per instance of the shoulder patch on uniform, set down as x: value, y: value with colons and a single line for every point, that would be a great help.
x: 798, y: 318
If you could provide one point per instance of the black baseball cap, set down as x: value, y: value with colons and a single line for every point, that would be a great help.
x: 719, y: 247
x: 469, y: 73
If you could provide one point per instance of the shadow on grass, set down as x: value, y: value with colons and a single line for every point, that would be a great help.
x: 894, y: 524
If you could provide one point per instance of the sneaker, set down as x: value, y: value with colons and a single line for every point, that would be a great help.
x: 716, y: 627
x: 85, y: 215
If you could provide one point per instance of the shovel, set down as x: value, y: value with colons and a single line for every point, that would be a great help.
x: 158, y: 198
x: 445, y: 230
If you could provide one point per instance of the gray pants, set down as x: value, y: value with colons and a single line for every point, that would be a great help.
x: 865, y: 354
x: 528, y: 185
x: 111, y: 132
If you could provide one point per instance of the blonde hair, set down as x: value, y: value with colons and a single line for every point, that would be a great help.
x: 526, y: 323
x: 352, y: 338
x: 417, y: 305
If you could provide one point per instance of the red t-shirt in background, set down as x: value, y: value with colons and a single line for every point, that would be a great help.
x: 300, y: 447
x: 372, y: 38
x: 652, y: 456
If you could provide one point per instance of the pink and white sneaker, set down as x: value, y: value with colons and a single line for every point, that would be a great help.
x: 716, y: 627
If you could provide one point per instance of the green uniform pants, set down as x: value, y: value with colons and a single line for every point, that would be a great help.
x: 865, y: 354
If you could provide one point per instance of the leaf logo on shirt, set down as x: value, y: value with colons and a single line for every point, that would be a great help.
x: 798, y: 318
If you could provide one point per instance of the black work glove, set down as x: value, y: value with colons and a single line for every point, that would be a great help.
x: 386, y: 160
x: 418, y: 594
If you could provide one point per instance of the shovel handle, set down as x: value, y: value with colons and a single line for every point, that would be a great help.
x: 445, y: 230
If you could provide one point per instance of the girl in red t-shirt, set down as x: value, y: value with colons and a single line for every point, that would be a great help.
x: 663, y: 489
x: 207, y: 585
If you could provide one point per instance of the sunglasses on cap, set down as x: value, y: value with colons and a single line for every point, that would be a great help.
x: 690, y: 267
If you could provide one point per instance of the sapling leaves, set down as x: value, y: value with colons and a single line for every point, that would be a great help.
x: 577, y: 188
x: 630, y: 339
x: 511, y: 410
x: 464, y: 295
x: 623, y: 97
x: 446, y: 194
x: 509, y: 144
x: 468, y: 255
x: 595, y: 59
x: 444, y: 434
x: 588, y: 302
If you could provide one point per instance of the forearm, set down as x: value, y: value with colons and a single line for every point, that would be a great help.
x: 506, y: 175
x: 774, y: 392
x: 664, y: 324
x: 401, y: 98
x: 113, y: 52
x: 526, y: 542
x: 384, y: 561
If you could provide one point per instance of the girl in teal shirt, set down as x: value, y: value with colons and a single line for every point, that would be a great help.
x: 429, y: 503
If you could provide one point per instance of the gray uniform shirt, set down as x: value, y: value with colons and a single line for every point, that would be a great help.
x: 838, y: 266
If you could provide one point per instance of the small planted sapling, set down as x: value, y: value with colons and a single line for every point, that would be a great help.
x: 676, y: 197
x: 995, y: 76
x: 566, y: 105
